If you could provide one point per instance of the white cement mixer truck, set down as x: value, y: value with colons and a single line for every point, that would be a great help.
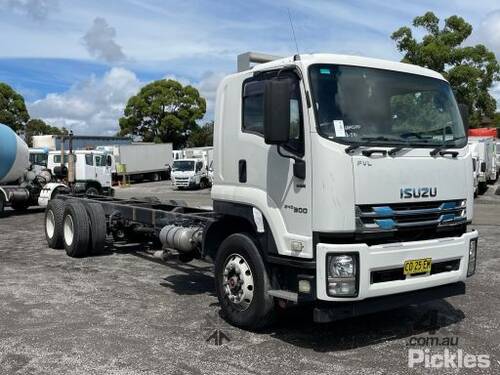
x: 21, y: 185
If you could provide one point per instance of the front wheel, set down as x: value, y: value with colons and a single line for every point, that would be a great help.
x: 92, y: 191
x: 242, y: 283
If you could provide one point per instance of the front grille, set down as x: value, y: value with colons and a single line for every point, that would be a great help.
x: 397, y: 273
x: 404, y: 216
x: 182, y: 181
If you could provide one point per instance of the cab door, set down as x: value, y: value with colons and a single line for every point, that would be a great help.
x: 102, y: 170
x: 271, y: 171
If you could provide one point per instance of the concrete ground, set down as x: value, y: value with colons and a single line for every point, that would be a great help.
x: 122, y: 313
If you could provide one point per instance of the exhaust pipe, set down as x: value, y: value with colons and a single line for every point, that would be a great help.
x: 182, y: 239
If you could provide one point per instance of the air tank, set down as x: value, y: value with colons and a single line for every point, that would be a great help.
x: 14, y: 155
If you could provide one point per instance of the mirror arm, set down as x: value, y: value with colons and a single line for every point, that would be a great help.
x: 280, y: 152
x: 299, y: 167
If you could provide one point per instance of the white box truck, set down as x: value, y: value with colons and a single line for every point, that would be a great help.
x: 329, y: 190
x: 485, y: 147
x: 141, y: 161
x: 195, y: 169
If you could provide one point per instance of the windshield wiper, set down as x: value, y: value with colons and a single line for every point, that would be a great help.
x: 352, y: 147
x: 368, y: 141
x: 446, y: 144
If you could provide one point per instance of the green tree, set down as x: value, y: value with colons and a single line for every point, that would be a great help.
x: 202, y: 136
x: 471, y: 70
x: 163, y: 111
x: 40, y: 127
x: 13, y: 112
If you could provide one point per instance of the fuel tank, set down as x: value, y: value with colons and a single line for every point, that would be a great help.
x: 14, y: 155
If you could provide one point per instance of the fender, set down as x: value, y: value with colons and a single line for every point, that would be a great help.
x: 47, y: 192
x: 3, y: 195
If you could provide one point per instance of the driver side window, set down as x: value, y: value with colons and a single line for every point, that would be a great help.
x: 253, y: 110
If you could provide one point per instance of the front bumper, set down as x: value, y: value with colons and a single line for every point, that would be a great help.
x: 336, y: 311
x: 392, y: 256
x: 183, y: 182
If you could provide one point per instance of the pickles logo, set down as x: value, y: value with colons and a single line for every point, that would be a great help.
x: 422, y: 192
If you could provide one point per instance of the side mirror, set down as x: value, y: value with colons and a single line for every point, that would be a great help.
x: 464, y: 113
x: 277, y: 111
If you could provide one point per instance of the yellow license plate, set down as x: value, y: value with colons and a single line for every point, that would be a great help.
x: 417, y: 266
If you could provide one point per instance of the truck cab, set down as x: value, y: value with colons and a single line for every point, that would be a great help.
x: 38, y: 159
x: 353, y: 172
x: 92, y: 170
x: 190, y: 173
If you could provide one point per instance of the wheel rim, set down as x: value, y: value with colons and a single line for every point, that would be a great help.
x: 50, y: 224
x: 92, y: 191
x: 69, y: 230
x: 238, y: 282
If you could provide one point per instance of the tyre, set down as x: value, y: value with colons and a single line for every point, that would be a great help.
x: 76, y: 230
x: 54, y: 223
x: 97, y: 220
x: 91, y: 190
x: 482, y: 188
x: 242, y: 283
x: 156, y: 177
x: 203, y: 184
x: 2, y: 206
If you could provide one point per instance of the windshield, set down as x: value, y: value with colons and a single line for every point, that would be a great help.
x: 366, y: 105
x: 39, y: 159
x: 100, y: 160
x: 183, y: 165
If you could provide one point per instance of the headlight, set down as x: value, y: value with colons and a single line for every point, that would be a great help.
x: 342, y: 275
x: 471, y: 267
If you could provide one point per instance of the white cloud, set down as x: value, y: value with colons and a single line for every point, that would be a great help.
x: 36, y: 9
x: 91, y: 107
x: 208, y: 88
x: 95, y: 105
x: 495, y: 92
x: 489, y: 31
x: 100, y: 42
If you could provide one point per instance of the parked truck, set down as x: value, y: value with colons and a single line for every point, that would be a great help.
x: 485, y: 147
x: 141, y: 161
x: 194, y: 170
x: 24, y: 182
x: 191, y: 174
x: 329, y: 190
x: 92, y: 170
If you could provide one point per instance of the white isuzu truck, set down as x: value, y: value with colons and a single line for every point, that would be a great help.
x: 341, y: 182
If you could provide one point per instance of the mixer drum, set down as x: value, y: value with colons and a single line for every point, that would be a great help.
x: 14, y: 155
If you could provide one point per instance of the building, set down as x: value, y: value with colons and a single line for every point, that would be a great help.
x: 80, y: 142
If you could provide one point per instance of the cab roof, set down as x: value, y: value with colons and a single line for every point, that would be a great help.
x: 367, y: 62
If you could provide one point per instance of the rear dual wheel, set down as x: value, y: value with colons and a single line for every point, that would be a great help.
x: 77, y: 227
x: 53, y: 223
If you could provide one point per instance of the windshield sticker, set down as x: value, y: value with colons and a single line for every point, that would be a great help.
x: 339, y: 128
x: 324, y: 71
x: 351, y: 130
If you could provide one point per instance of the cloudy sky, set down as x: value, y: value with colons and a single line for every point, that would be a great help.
x: 78, y: 61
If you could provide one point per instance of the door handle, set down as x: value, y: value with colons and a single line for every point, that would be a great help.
x: 242, y: 171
